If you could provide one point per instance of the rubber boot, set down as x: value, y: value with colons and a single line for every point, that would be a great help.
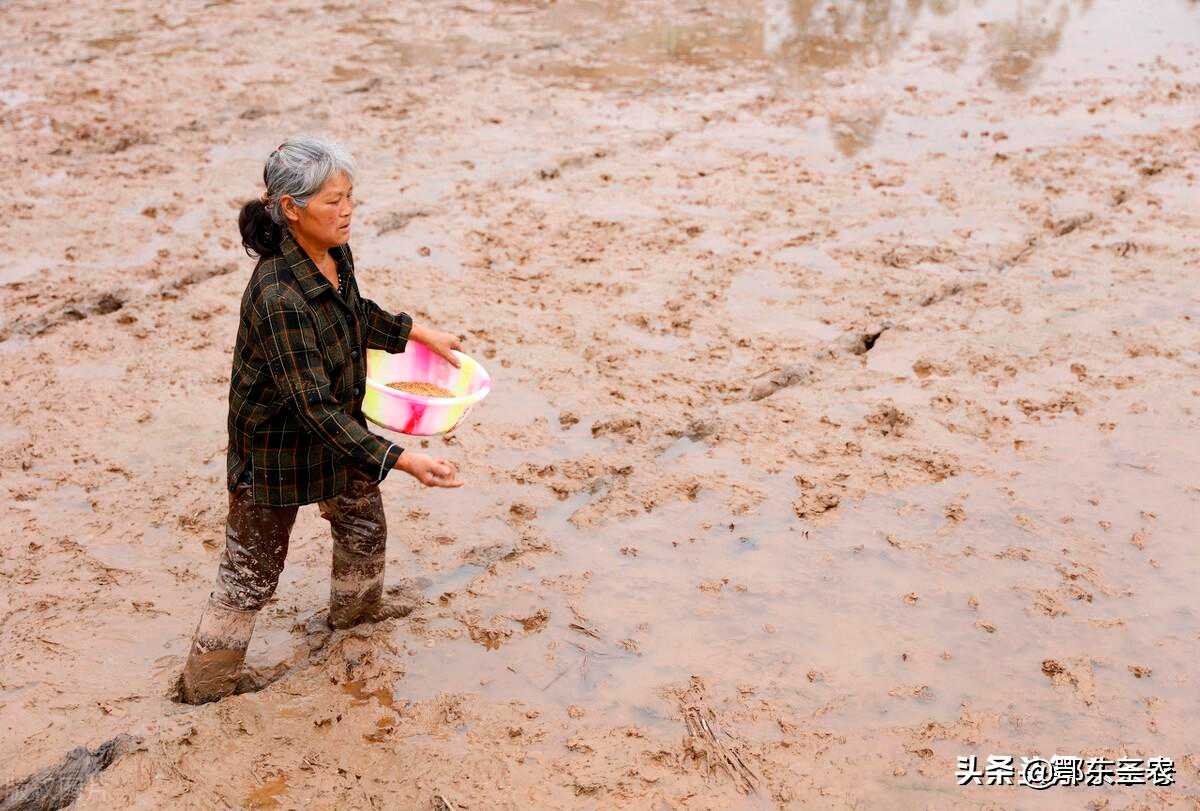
x: 356, y: 588
x: 218, y: 650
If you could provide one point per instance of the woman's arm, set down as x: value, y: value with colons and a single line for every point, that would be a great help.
x: 392, y: 333
x: 384, y: 330
x: 439, y: 341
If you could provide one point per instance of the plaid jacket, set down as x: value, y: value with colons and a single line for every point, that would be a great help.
x: 299, y: 375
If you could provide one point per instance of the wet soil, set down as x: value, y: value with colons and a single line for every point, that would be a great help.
x: 844, y: 422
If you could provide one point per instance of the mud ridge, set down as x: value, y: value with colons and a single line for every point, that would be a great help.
x: 58, y: 785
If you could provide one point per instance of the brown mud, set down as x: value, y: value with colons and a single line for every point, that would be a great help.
x: 844, y: 420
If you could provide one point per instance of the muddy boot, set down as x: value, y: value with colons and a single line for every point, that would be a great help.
x: 355, y: 588
x: 357, y: 594
x: 359, y: 529
x: 218, y: 649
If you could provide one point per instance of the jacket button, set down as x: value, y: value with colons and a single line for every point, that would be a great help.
x: 354, y: 354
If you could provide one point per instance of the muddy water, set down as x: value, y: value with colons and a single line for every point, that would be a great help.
x: 972, y: 538
x: 900, y: 593
x: 855, y: 50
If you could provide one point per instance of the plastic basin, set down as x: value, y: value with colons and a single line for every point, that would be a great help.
x: 412, y: 413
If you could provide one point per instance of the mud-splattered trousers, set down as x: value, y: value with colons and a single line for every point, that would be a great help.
x: 256, y: 545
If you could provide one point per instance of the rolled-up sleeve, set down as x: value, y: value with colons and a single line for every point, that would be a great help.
x: 289, y: 340
x: 384, y: 330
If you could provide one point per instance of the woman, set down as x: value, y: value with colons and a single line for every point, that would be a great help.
x: 296, y: 432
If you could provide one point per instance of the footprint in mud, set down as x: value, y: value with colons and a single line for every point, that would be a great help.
x: 1079, y: 676
x: 266, y: 795
x: 399, y: 600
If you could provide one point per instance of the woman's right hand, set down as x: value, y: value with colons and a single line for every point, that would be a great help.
x: 429, y: 471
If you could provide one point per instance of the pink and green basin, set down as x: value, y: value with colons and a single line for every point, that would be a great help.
x: 413, y: 413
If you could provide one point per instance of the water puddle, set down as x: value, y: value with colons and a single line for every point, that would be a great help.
x: 24, y: 265
x: 764, y: 300
x: 809, y: 258
x: 453, y: 581
x: 14, y: 98
x: 909, y: 601
x: 682, y: 447
x: 1008, y: 43
x: 868, y: 54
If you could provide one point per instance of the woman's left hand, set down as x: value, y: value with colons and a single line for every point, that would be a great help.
x: 440, y: 342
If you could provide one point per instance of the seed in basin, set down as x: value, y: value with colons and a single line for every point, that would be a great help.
x: 421, y: 388
x: 420, y: 393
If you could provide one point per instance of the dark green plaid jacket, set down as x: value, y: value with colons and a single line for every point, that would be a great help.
x: 299, y: 374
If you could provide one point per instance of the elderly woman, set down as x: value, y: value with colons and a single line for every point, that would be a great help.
x: 296, y: 431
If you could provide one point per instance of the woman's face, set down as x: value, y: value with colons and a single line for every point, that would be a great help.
x: 326, y: 219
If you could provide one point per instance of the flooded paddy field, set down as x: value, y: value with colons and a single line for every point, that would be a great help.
x: 844, y: 418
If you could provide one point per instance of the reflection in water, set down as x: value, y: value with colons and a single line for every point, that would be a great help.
x: 842, y: 46
x: 853, y: 132
x: 805, y: 37
x: 822, y: 35
x: 1017, y: 47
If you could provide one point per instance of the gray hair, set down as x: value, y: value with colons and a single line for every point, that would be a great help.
x: 299, y: 168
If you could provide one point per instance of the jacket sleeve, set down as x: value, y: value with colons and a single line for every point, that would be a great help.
x: 289, y: 341
x: 384, y: 330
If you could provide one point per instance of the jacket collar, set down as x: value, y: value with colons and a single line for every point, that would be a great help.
x: 310, y: 279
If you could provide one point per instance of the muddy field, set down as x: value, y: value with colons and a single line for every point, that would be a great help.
x: 844, y: 422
